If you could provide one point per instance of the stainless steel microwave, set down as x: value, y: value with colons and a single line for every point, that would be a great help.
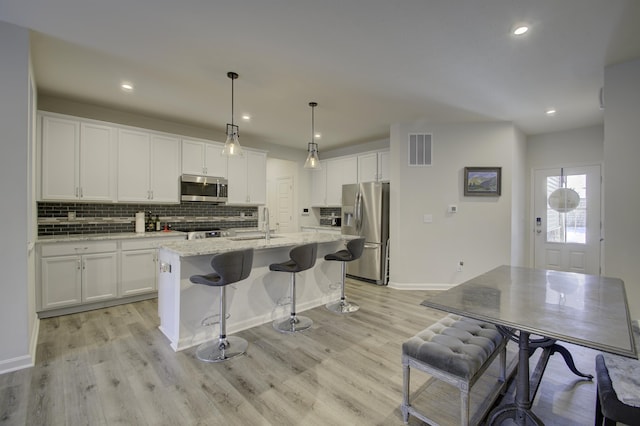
x: 203, y: 188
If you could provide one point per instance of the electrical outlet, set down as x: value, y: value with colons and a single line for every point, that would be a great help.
x: 459, y: 267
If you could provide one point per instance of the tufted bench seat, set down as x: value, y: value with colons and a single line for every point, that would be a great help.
x: 456, y: 350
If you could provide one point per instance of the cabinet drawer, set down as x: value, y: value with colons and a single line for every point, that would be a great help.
x: 85, y: 247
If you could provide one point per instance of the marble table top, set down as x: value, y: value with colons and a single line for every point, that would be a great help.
x: 220, y: 245
x: 588, y: 310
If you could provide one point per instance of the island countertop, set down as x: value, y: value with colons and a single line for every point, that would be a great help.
x: 210, y: 246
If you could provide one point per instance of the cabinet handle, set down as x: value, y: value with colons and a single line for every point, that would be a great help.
x: 78, y: 262
x: 81, y: 195
x: 83, y: 265
x: 151, y: 197
x: 77, y: 192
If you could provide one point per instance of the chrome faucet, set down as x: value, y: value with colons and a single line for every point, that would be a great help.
x: 267, y: 230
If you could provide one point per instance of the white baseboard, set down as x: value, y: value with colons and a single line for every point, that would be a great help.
x: 14, y: 364
x: 24, y: 361
x: 419, y: 286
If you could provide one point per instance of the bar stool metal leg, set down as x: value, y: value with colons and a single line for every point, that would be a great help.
x: 225, y: 347
x: 295, y: 322
x: 342, y: 306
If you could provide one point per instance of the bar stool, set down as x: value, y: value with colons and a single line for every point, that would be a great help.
x: 353, y: 252
x: 301, y: 258
x: 228, y: 268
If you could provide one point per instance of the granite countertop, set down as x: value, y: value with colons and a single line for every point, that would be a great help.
x: 112, y: 236
x: 220, y: 245
x: 336, y: 228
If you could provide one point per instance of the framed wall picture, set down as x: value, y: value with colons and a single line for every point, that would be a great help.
x: 482, y: 181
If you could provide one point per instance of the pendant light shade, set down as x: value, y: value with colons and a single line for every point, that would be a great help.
x: 563, y: 199
x: 232, y: 144
x: 313, y: 162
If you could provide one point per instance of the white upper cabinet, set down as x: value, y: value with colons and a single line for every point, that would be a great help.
x: 319, y: 185
x: 373, y: 166
x: 340, y: 171
x: 78, y: 160
x: 247, y: 177
x: 326, y: 183
x: 165, y: 169
x: 148, y: 167
x: 203, y: 158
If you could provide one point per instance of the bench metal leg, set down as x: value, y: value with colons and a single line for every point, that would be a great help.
x: 405, y: 391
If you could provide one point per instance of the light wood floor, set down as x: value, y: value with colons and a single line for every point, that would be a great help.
x: 113, y: 366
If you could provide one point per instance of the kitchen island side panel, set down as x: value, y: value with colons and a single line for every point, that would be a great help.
x: 259, y: 299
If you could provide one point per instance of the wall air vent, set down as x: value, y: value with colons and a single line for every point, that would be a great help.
x: 420, y: 149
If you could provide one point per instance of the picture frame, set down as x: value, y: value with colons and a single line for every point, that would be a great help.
x: 482, y: 181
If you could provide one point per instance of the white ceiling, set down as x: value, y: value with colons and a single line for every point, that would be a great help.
x: 368, y: 63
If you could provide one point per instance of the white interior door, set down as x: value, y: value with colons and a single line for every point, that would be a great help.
x: 284, y: 204
x: 568, y: 241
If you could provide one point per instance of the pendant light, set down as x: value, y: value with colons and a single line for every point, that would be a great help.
x: 232, y: 145
x: 563, y: 199
x: 313, y: 162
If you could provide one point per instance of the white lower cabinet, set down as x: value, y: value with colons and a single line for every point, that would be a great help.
x: 75, y: 276
x: 138, y: 267
x: 73, y: 273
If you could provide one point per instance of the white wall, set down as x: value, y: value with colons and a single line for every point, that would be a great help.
x: 480, y: 233
x: 621, y: 182
x: 576, y: 147
x: 16, y: 310
x: 567, y: 148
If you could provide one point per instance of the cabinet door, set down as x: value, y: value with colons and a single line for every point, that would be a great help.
x: 319, y: 185
x: 60, y: 140
x: 133, y: 166
x: 215, y: 162
x: 368, y: 167
x: 99, y: 277
x: 138, y: 271
x: 383, y: 166
x: 237, y: 177
x: 192, y: 157
x: 165, y: 169
x: 256, y: 177
x: 96, y: 162
x: 60, y: 280
x: 340, y: 171
x: 349, y: 168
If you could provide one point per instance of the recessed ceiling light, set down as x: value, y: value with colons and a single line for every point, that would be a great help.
x: 246, y: 117
x: 127, y: 87
x: 318, y: 135
x: 551, y: 111
x: 520, y: 29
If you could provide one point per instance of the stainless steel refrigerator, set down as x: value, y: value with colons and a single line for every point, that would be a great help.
x: 365, y: 212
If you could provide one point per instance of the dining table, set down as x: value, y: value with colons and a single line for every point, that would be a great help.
x: 539, y: 308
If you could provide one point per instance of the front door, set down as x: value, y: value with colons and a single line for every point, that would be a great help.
x: 568, y: 241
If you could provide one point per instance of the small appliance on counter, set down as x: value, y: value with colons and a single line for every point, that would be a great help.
x: 336, y: 221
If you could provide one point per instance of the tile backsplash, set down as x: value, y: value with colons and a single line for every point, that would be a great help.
x: 328, y: 213
x: 83, y: 218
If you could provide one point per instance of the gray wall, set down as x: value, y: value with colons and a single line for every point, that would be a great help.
x: 17, y: 315
x: 480, y: 234
x: 621, y: 183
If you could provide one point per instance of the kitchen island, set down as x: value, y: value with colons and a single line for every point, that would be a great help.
x: 184, y: 307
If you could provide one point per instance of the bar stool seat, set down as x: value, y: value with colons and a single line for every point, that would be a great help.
x: 353, y: 252
x: 301, y: 258
x: 228, y: 268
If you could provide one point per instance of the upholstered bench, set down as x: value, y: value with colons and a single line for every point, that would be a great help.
x: 456, y: 350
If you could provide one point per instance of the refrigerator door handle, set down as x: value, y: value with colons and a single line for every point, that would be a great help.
x: 371, y: 245
x: 358, y: 212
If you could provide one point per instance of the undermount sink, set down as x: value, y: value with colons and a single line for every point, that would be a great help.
x: 251, y: 237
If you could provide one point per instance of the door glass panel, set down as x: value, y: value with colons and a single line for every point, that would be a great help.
x: 568, y: 227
